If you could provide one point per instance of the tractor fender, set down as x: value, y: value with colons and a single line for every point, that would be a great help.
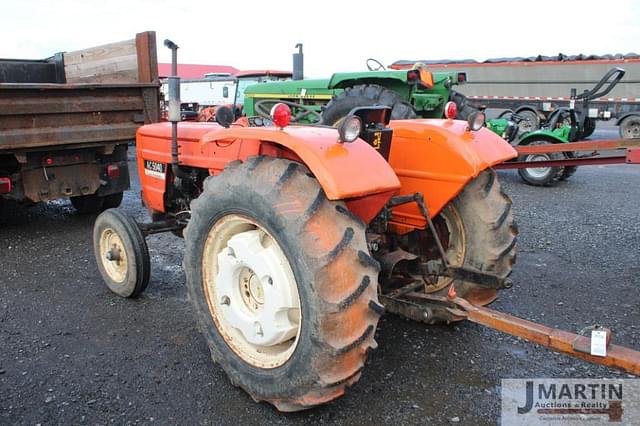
x: 391, y: 79
x: 622, y: 117
x: 540, y: 134
x: 383, y: 78
x: 344, y: 170
x: 438, y: 158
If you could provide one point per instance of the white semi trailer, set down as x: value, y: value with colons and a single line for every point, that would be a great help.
x: 539, y: 85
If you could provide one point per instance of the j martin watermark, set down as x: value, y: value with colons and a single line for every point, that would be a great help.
x: 570, y: 402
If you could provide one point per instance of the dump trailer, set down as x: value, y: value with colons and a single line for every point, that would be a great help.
x: 66, y: 122
x: 537, y: 86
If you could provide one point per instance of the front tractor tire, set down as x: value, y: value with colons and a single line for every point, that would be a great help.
x: 366, y: 95
x: 121, y: 253
x: 543, y: 176
x: 283, y: 285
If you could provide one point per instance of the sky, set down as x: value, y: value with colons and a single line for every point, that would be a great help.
x: 337, y: 35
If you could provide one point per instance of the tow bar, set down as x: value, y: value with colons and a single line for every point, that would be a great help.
x: 558, y: 340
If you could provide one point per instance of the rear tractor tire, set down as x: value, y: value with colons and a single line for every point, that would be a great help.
x: 121, y: 253
x: 283, y: 285
x: 542, y: 176
x: 530, y: 122
x: 366, y: 95
x: 478, y: 231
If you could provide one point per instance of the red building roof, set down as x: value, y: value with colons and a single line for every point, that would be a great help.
x: 195, y: 70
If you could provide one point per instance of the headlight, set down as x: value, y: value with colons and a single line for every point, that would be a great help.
x: 350, y: 129
x: 476, y: 120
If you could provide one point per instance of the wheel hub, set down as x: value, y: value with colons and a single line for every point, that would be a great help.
x: 255, y: 294
x: 115, y: 263
x: 537, y: 172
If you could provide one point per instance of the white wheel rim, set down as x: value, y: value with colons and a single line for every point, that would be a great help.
x: 537, y: 172
x: 251, y: 291
x: 113, y: 255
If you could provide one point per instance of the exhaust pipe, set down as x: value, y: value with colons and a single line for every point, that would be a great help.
x: 298, y: 63
x: 174, y: 110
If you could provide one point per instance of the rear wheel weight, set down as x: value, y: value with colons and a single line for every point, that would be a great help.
x: 121, y: 253
x: 276, y: 207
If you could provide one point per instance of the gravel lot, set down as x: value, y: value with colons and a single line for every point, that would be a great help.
x: 73, y: 353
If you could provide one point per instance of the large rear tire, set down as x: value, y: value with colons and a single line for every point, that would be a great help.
x: 322, y: 281
x: 366, y: 95
x: 478, y: 231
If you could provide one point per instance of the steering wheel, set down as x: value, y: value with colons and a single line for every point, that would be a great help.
x: 263, y: 109
x: 375, y: 65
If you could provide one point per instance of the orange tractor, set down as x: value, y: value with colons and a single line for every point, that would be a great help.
x: 298, y: 238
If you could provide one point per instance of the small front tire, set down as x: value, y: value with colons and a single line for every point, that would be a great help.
x: 121, y: 253
x: 541, y: 176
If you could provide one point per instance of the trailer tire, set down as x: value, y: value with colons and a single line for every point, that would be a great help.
x: 116, y: 233
x: 366, y: 95
x: 629, y: 127
x: 88, y: 204
x: 321, y: 247
x: 541, y: 176
x: 112, y: 201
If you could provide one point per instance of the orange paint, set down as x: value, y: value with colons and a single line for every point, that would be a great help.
x: 434, y: 157
x: 438, y: 158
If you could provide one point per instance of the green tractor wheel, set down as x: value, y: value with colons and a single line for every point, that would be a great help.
x: 366, y: 95
x: 541, y: 176
x: 530, y: 121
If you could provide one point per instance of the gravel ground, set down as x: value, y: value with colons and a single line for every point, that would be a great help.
x: 73, y: 353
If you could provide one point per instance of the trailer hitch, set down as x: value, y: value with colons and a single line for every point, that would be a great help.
x: 575, y: 345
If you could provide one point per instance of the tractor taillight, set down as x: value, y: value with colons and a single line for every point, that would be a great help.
x: 462, y: 77
x: 5, y: 185
x: 281, y: 115
x: 48, y: 161
x: 113, y: 171
x: 450, y: 110
x: 412, y: 76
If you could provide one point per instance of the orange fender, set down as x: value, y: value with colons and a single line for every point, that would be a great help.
x: 438, y: 158
x: 353, y: 172
x: 344, y: 170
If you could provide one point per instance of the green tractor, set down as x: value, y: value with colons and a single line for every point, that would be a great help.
x: 415, y: 93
